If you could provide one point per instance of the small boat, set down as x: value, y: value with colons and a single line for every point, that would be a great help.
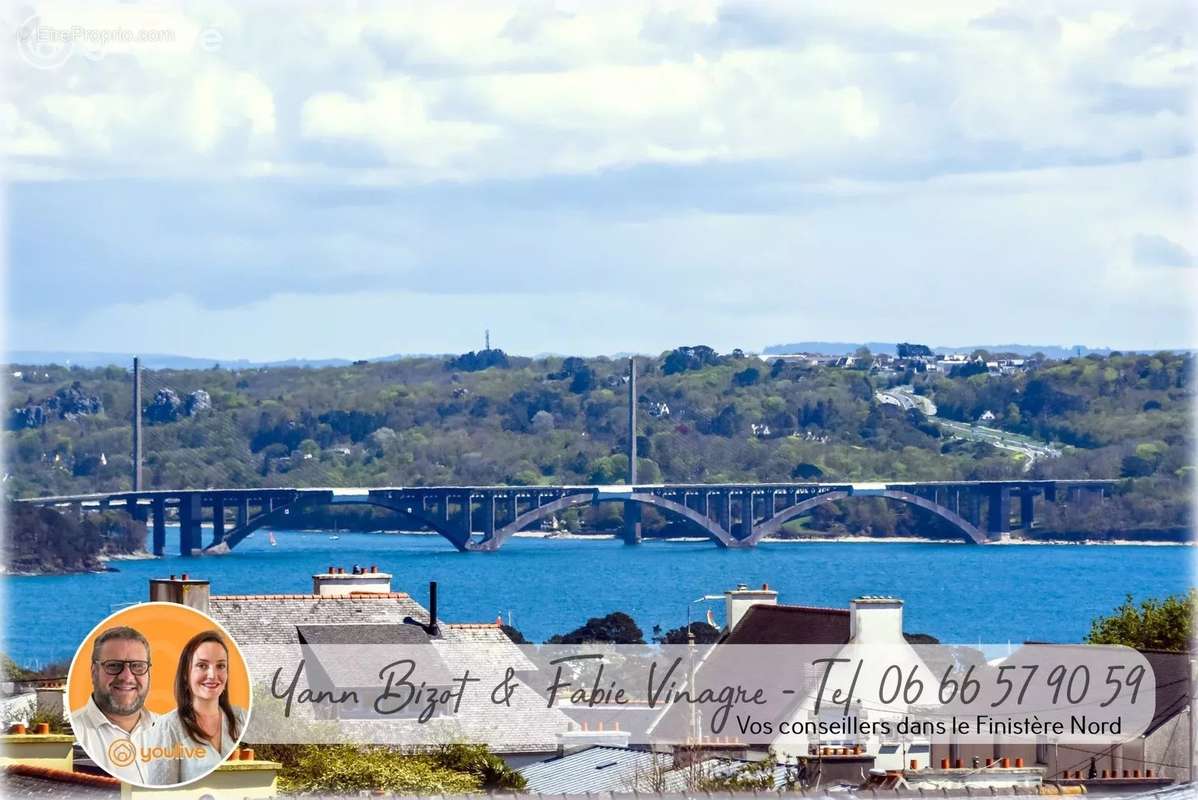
x: 273, y: 543
x: 334, y: 538
x: 250, y: 535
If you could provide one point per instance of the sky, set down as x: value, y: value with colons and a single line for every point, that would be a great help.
x: 215, y: 180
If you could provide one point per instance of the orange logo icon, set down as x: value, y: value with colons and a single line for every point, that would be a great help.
x: 122, y: 752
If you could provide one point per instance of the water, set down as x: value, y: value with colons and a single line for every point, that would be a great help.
x: 958, y: 593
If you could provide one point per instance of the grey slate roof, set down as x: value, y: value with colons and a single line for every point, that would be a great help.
x: 273, y: 629
x: 620, y: 769
x: 595, y: 769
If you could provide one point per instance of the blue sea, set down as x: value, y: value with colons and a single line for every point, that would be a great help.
x: 955, y: 592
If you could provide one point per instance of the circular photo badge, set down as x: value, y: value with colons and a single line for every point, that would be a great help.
x: 158, y: 694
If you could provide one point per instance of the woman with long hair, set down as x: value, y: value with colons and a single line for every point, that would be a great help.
x: 205, y: 726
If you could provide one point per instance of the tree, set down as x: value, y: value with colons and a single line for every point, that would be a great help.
x: 514, y: 634
x: 616, y: 628
x: 584, y: 381
x: 542, y: 422
x: 746, y: 377
x: 704, y: 634
x: 909, y: 350
x: 1154, y: 625
x: 350, y: 769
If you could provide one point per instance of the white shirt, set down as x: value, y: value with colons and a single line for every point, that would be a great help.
x: 169, y: 732
x: 96, y: 733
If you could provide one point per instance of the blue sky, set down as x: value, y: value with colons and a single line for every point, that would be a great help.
x: 592, y: 178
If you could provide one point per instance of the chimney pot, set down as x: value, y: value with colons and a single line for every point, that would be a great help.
x: 337, y: 583
x: 193, y: 594
x: 737, y: 602
x: 876, y: 620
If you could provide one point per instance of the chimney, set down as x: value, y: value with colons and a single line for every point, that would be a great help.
x: 738, y: 600
x: 190, y: 592
x: 876, y: 620
x: 432, y: 607
x: 339, y: 583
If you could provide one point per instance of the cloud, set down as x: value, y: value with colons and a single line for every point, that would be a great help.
x: 792, y: 173
x: 1153, y: 250
x: 474, y: 93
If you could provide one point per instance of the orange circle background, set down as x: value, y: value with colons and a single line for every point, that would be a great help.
x: 167, y: 626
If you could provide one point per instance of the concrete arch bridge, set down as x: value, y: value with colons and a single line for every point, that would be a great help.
x: 483, y: 518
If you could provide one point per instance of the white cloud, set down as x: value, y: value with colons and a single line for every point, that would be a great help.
x: 719, y: 155
x: 393, y: 117
x: 465, y: 92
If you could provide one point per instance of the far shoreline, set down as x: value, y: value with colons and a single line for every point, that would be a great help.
x: 603, y: 536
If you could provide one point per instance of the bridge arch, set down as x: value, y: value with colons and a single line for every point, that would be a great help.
x: 707, y: 525
x: 968, y: 530
x: 457, y: 538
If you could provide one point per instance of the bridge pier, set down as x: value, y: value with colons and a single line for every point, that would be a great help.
x: 1027, y: 508
x: 632, y: 522
x: 489, y: 516
x: 158, y: 513
x: 243, y: 512
x: 189, y: 523
x: 134, y: 510
x: 218, y: 520
x: 746, y: 513
x: 998, y: 517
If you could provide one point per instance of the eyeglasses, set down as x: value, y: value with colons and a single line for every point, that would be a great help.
x: 117, y: 666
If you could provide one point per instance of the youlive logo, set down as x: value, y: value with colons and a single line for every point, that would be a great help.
x: 176, y: 752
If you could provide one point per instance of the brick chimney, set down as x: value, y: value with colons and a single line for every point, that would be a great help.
x: 876, y: 620
x: 339, y: 583
x: 738, y: 600
x: 190, y: 592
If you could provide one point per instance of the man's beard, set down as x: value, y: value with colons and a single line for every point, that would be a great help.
x: 108, y: 705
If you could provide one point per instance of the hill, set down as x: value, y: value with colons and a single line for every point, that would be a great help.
x: 491, y: 418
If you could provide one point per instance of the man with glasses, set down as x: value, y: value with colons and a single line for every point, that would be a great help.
x: 113, y: 726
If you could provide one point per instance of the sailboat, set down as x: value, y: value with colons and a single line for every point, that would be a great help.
x: 271, y: 536
x: 334, y: 537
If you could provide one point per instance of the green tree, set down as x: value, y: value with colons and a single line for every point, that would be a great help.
x: 344, y: 768
x: 704, y: 634
x: 1153, y: 625
x: 616, y: 628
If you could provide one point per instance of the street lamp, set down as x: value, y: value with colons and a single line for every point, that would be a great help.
x: 690, y: 643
